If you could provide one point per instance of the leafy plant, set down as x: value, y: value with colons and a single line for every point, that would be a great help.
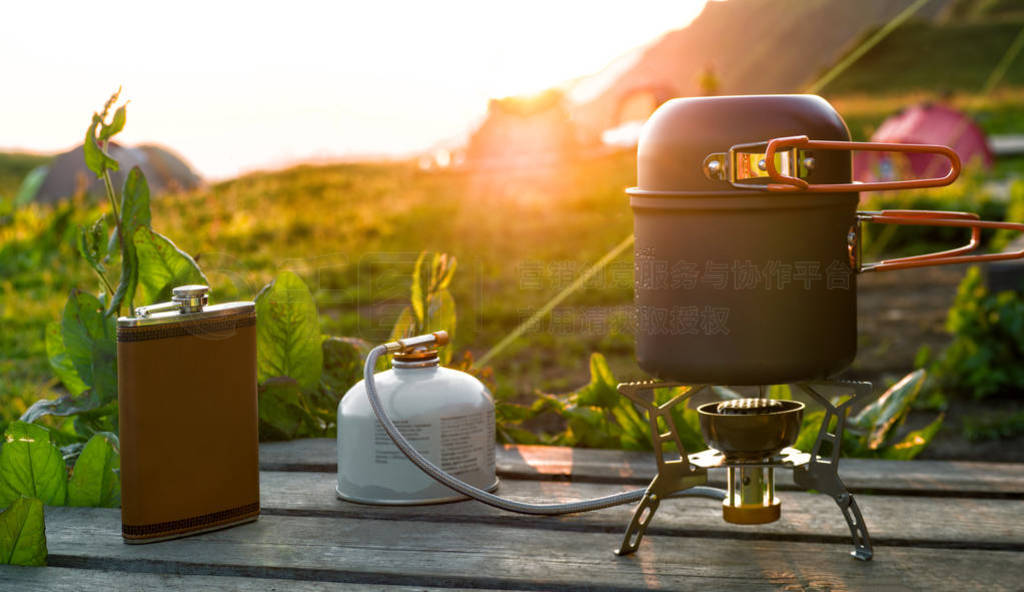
x: 977, y: 429
x: 23, y: 533
x: 597, y: 416
x: 32, y: 466
x: 82, y: 346
x: 33, y: 472
x: 303, y: 374
x: 431, y: 306
x: 297, y: 397
x: 874, y: 431
x: 988, y: 343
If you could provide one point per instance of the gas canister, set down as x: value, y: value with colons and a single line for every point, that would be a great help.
x: 446, y: 414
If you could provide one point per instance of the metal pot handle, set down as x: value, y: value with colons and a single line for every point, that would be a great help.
x: 790, y: 183
x: 930, y: 218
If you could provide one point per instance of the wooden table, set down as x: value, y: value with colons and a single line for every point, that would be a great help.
x: 936, y: 525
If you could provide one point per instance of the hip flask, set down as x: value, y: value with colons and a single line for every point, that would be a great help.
x: 188, y: 417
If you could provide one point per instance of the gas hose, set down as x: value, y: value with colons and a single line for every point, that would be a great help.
x: 490, y: 499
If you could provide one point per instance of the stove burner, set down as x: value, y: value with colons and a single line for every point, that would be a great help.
x: 749, y: 406
x: 749, y: 438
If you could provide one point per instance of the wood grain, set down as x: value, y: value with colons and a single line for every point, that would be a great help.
x: 473, y: 555
x: 892, y: 520
x: 62, y: 579
x: 928, y: 477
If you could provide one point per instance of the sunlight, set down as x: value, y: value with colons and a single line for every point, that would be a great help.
x: 233, y: 89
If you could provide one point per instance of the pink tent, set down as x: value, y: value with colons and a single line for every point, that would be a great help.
x: 922, y: 124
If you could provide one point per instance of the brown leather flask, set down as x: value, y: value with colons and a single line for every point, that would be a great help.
x: 188, y: 417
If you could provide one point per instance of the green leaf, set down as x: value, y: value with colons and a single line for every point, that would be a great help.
x: 688, y: 427
x: 589, y: 427
x: 30, y: 185
x: 95, y: 481
x: 30, y: 465
x: 889, y: 410
x: 135, y: 212
x: 63, y: 406
x: 419, y: 292
x: 282, y: 410
x: 444, y: 270
x: 162, y: 266
x: 780, y: 391
x: 135, y: 217
x: 343, y: 362
x: 115, y: 126
x: 405, y: 326
x: 60, y: 361
x: 441, y: 316
x: 601, y: 390
x: 23, y: 533
x: 914, y: 442
x: 432, y: 305
x: 809, y: 430
x: 635, y: 433
x: 98, y: 420
x: 126, y: 284
x: 96, y: 159
x: 92, y: 243
x: 89, y: 342
x: 288, y: 332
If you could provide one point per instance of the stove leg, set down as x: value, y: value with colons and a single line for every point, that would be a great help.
x: 674, y: 474
x: 641, y: 518
x: 823, y: 475
x: 671, y: 484
x: 861, y: 542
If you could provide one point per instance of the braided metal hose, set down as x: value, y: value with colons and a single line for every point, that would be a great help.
x: 489, y: 498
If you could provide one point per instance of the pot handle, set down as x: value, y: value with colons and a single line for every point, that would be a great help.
x: 792, y: 183
x: 930, y: 218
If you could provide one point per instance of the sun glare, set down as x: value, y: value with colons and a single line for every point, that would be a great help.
x: 235, y: 87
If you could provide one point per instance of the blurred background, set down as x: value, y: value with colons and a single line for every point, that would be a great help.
x: 341, y: 140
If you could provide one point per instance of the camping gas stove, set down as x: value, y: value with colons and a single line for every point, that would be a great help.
x: 750, y: 438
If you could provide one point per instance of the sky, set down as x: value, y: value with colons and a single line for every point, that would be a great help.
x: 235, y: 87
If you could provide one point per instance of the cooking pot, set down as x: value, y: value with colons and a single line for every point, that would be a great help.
x: 748, y: 239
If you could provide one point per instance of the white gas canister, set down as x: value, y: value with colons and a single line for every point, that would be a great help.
x: 446, y: 414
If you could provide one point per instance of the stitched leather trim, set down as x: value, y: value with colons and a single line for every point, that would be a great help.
x: 195, y: 522
x: 201, y: 327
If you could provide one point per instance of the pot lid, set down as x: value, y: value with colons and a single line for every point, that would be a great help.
x: 684, y: 138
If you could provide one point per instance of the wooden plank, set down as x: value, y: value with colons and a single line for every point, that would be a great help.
x: 63, y: 579
x: 473, y: 555
x: 946, y: 522
x: 926, y: 477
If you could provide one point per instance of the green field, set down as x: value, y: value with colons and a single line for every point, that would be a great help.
x: 956, y: 56
x: 353, y: 232
x: 13, y: 168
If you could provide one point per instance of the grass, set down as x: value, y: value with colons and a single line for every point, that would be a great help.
x: 353, y: 232
x: 920, y: 56
x: 1001, y: 112
x: 13, y: 168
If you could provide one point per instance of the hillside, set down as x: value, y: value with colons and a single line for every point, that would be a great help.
x: 955, y: 56
x: 752, y: 46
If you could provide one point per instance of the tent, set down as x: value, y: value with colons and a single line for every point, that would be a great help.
x: 66, y: 174
x: 922, y: 124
